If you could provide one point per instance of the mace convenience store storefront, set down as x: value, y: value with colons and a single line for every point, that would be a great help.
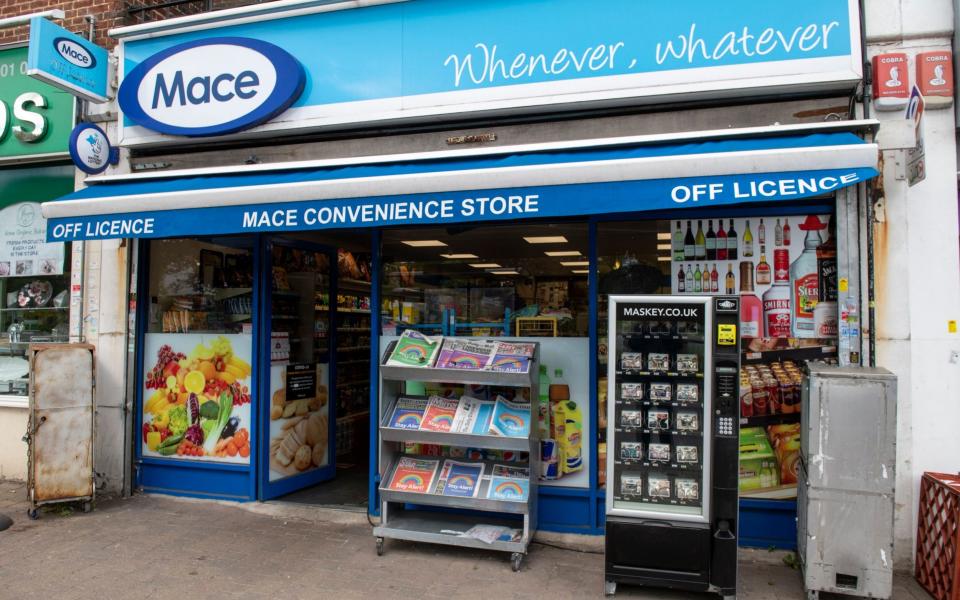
x: 267, y: 291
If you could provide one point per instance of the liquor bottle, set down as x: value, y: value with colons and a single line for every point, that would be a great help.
x: 776, y: 300
x: 697, y: 284
x: 689, y: 280
x: 714, y: 279
x: 786, y: 232
x: 763, y: 268
x: 751, y: 309
x: 711, y: 241
x: 681, y: 280
x: 732, y: 242
x: 762, y: 234
x: 701, y: 242
x: 730, y: 282
x: 827, y: 265
x: 689, y: 245
x: 721, y: 241
x: 805, y: 280
x: 747, y: 241
x: 778, y: 235
x: 678, y: 243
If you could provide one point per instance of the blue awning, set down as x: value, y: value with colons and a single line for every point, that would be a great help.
x: 609, y: 176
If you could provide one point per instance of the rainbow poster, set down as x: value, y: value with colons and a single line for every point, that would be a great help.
x: 460, y: 479
x: 510, y: 418
x: 414, y: 475
x: 414, y: 349
x: 473, y: 355
x: 408, y: 413
x: 439, y: 414
x: 509, y: 489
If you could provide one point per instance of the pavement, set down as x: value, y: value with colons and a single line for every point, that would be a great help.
x: 160, y: 547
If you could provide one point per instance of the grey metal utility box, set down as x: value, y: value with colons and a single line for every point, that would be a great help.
x: 846, y: 480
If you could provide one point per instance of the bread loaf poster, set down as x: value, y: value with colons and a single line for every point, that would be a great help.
x: 196, y: 397
x: 299, y: 418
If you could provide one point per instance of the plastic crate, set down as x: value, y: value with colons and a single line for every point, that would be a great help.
x: 938, y: 536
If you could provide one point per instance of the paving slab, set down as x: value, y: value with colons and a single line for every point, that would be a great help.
x: 159, y: 547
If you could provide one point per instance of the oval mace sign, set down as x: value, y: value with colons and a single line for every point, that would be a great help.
x: 211, y: 87
x: 74, y: 53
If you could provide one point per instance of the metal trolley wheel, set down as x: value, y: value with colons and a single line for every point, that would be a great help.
x: 33, y: 513
x: 516, y: 559
x: 379, y: 546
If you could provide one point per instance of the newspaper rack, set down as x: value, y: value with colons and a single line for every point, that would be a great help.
x: 406, y: 515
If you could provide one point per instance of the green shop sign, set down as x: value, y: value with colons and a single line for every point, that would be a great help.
x: 35, y: 118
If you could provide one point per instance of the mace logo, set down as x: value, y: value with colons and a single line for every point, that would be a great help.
x: 211, y: 87
x: 74, y: 53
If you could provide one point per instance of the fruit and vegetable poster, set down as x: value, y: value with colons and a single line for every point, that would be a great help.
x: 196, y: 397
x: 299, y: 419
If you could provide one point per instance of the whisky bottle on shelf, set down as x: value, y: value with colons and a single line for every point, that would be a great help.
x: 763, y: 268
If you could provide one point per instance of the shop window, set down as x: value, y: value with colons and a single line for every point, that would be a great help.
x: 783, y: 266
x: 528, y: 280
x: 524, y: 282
x: 197, y: 353
x: 34, y: 292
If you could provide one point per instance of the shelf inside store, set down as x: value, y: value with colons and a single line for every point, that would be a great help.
x: 357, y: 383
x: 781, y: 492
x: 794, y: 354
x: 224, y: 293
x: 356, y: 311
x: 353, y: 284
x: 765, y: 420
x: 352, y: 348
x: 353, y: 329
x: 353, y: 416
x: 353, y: 362
x: 33, y: 308
x: 235, y: 318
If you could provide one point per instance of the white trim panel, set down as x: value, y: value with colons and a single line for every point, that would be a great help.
x: 462, y: 153
x: 630, y: 169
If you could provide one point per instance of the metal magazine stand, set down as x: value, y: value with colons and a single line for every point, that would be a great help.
x: 404, y: 515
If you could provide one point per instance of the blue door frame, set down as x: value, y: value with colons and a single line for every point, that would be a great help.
x: 272, y: 489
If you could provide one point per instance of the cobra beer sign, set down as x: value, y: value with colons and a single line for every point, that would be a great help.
x: 211, y: 87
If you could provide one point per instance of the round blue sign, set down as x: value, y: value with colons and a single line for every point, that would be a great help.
x: 89, y: 148
x: 213, y: 86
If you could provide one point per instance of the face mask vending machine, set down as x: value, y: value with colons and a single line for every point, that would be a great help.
x: 672, y: 442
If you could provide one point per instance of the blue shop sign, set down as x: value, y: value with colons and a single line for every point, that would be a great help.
x: 423, y: 58
x: 67, y: 61
x: 451, y: 207
x: 211, y: 87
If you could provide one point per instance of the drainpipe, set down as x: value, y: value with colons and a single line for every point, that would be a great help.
x: 871, y: 190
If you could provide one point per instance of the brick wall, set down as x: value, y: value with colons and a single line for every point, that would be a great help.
x: 109, y: 13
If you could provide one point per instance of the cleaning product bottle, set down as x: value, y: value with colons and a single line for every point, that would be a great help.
x: 543, y: 404
x: 569, y: 427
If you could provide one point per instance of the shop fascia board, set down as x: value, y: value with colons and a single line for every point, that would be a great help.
x: 630, y: 169
x: 860, y: 126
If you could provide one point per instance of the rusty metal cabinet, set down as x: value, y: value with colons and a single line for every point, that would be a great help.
x: 61, y: 425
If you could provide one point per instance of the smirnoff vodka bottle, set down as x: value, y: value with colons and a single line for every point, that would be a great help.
x: 776, y: 300
x: 805, y: 280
